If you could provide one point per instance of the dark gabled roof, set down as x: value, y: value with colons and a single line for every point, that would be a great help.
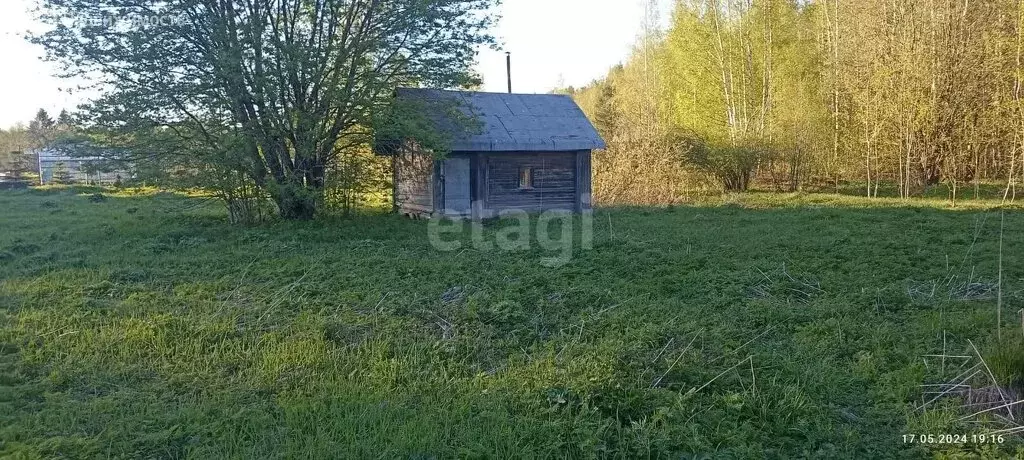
x: 516, y: 122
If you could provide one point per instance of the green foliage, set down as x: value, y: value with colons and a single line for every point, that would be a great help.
x: 731, y: 166
x: 41, y: 129
x: 277, y: 104
x: 19, y: 164
x: 14, y: 144
x: 605, y: 116
x: 61, y: 174
x: 835, y: 91
x: 433, y: 124
x: 189, y: 337
x: 359, y: 179
x: 1006, y: 360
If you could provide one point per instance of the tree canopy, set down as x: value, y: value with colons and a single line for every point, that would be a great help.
x: 799, y: 93
x: 270, y: 91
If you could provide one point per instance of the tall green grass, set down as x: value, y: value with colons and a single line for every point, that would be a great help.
x: 753, y: 326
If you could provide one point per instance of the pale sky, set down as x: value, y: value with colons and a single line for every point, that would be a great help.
x: 553, y: 42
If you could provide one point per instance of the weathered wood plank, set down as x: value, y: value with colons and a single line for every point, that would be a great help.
x: 583, y: 181
x: 554, y: 181
x: 414, y: 185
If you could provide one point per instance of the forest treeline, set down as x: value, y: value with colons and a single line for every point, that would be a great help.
x: 793, y: 95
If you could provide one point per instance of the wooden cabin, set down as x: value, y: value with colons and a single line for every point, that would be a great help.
x: 530, y: 152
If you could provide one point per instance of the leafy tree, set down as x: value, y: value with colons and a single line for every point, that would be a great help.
x: 275, y: 90
x: 913, y: 93
x: 606, y: 118
x: 731, y: 165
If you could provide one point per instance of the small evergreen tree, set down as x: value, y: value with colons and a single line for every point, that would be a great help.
x: 19, y: 165
x: 61, y: 174
x: 64, y: 121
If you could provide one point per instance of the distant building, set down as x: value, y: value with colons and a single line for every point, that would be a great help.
x: 89, y: 170
x: 532, y: 153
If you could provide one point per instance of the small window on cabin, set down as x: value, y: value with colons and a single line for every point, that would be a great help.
x: 525, y: 178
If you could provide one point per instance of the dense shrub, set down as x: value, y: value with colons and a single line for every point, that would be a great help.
x: 732, y: 166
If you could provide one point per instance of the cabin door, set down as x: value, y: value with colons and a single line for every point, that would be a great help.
x: 456, y: 186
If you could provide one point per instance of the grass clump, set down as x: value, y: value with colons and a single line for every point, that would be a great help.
x: 1006, y: 359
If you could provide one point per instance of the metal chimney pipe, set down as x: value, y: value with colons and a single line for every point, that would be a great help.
x: 508, y: 68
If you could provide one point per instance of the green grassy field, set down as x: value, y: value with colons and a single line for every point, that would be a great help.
x: 755, y: 326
